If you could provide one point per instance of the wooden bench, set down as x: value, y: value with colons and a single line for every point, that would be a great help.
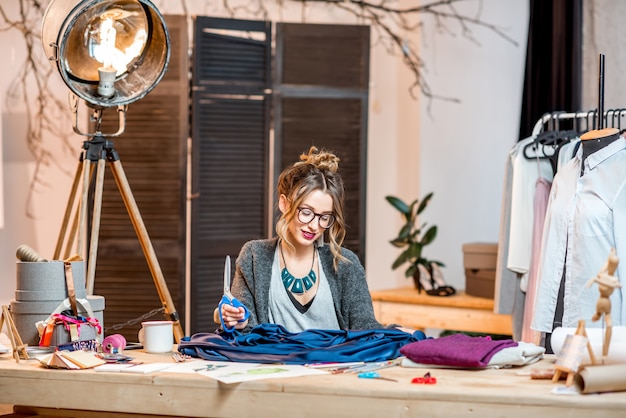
x: 459, y: 312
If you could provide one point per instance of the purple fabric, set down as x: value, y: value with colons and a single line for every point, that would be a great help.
x: 457, y: 350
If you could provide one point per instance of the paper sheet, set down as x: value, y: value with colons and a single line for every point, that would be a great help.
x: 227, y: 372
x: 223, y: 371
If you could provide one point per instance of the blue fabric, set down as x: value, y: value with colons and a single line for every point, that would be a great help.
x: 271, y: 343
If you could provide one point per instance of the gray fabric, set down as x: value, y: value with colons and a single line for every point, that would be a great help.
x: 351, y: 297
x: 518, y: 311
x: 506, y: 281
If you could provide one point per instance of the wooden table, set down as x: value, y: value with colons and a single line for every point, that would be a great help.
x: 459, y: 312
x: 482, y: 393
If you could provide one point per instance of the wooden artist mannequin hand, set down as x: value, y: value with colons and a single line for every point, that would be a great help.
x: 231, y: 316
x: 607, y: 283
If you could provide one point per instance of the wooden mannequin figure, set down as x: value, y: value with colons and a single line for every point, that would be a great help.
x: 607, y: 283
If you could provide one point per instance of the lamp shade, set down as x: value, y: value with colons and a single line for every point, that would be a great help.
x: 108, y: 52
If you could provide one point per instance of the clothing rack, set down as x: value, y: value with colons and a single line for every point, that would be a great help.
x: 555, y: 129
x: 549, y: 121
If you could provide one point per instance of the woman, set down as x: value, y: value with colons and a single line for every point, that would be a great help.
x: 296, y: 279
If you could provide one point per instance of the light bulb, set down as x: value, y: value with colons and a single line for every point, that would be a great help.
x: 106, y: 81
x: 107, y: 73
x: 107, y: 41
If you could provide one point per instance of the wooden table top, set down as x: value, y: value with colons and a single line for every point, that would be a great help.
x: 484, y: 393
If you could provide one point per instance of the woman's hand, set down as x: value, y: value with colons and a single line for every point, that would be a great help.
x: 231, y: 316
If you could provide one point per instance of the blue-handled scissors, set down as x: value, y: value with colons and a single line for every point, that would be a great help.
x: 374, y: 375
x: 229, y: 299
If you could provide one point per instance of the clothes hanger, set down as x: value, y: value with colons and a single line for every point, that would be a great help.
x: 548, y: 140
x: 563, y: 136
x: 531, y: 150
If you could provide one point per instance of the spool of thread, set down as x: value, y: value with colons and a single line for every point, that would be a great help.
x: 26, y: 253
x: 114, y: 344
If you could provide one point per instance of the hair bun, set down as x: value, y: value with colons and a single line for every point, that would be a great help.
x: 322, y: 159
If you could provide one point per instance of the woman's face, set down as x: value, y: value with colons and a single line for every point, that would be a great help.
x: 305, y: 234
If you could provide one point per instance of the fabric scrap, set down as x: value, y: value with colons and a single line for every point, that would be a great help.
x: 458, y: 350
x: 522, y: 355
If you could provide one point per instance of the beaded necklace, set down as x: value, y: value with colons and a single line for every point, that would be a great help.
x: 295, y: 285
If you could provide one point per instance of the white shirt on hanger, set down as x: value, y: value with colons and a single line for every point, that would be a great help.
x: 525, y: 174
x: 586, y: 217
x: 566, y: 152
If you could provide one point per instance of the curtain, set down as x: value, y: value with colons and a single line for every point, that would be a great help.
x: 553, y: 77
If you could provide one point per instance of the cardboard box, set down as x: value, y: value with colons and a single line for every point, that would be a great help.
x: 479, y: 260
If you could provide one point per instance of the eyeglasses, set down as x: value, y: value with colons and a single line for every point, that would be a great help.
x: 306, y: 216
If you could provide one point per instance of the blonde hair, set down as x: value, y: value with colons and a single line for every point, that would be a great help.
x: 316, y: 170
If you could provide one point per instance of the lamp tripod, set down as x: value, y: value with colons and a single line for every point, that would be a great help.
x: 109, y: 53
x: 97, y: 152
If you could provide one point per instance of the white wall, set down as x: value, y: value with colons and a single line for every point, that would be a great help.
x: 1, y: 176
x: 34, y: 195
x: 464, y: 146
x: 457, y: 150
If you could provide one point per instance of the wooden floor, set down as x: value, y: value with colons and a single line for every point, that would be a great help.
x: 6, y: 409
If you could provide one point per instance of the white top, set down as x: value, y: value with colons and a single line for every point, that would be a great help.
x: 566, y: 152
x: 586, y: 217
x: 525, y: 174
x: 320, y: 315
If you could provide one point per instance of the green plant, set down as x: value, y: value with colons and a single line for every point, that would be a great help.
x: 413, y: 238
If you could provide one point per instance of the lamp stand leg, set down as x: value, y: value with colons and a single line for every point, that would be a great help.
x: 66, y: 219
x: 95, y: 225
x: 100, y: 151
x: 83, y: 208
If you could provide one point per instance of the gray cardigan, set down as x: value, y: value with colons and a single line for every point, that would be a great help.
x: 351, y: 297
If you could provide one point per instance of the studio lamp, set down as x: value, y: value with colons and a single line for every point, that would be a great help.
x: 109, y: 53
